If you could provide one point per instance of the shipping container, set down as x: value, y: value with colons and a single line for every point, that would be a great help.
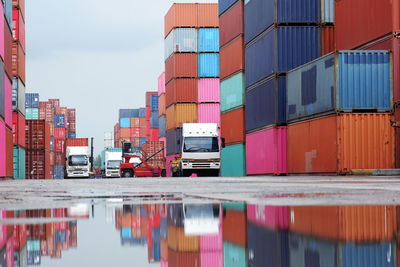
x: 8, y: 13
x: 358, y: 80
x: 207, y: 15
x: 370, y: 254
x: 183, y: 259
x: 272, y: 217
x: 19, y: 129
x: 37, y: 134
x: 77, y: 142
x: 234, y: 225
x: 209, y: 113
x: 327, y: 12
x: 37, y: 164
x: 267, y: 247
x: 148, y: 99
x: 125, y: 132
x: 8, y: 102
x: 125, y: 123
x: 266, y: 104
x: 259, y: 15
x: 19, y: 163
x: 181, y: 40
x: 2, y: 22
x: 9, y: 154
x: 32, y: 100
x: 208, y: 65
x: 124, y: 113
x: 212, y: 258
x: 208, y: 40
x: 233, y: 92
x: 8, y: 52
x: 55, y: 102
x: 19, y: 4
x: 32, y: 114
x: 10, y: 252
x: 397, y: 136
x: 231, y: 23
x: 18, y: 28
x: 18, y: 95
x: 208, y: 91
x: 178, y: 241
x: 266, y: 152
x: 233, y: 161
x: 18, y: 61
x: 142, y: 111
x: 232, y: 58
x: 2, y: 149
x: 153, y: 103
x: 181, y: 66
x: 154, y: 119
x: 224, y: 5
x: 58, y: 145
x: 162, y: 124
x: 233, y: 127
x: 180, y: 15
x: 162, y: 104
x: 161, y: 85
x: 2, y: 92
x: 175, y: 215
x: 350, y: 141
x: 328, y: 43
x: 234, y: 255
x: 59, y: 121
x: 181, y: 91
x: 59, y: 133
x: 178, y: 114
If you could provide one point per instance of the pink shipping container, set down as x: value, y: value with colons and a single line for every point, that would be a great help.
x: 209, y: 113
x: 8, y: 102
x: 214, y: 259
x: 164, y: 263
x: 161, y: 84
x: 269, y: 216
x: 59, y: 133
x: 3, y: 229
x: 2, y: 34
x: 266, y: 152
x: 10, y: 252
x: 2, y: 149
x: 209, y: 91
x: 211, y: 242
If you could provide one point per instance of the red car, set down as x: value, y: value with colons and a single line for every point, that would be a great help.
x: 135, y: 166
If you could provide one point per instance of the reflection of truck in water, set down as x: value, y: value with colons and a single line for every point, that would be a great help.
x: 200, y: 152
x: 201, y: 219
x: 110, y: 161
x: 77, y: 158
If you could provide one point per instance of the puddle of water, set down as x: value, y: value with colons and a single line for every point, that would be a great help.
x: 215, y: 234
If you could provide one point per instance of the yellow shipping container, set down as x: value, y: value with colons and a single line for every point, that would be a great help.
x: 178, y: 241
x: 178, y: 114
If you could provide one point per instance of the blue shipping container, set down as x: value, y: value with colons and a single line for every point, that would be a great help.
x: 173, y: 136
x: 124, y: 113
x: 154, y: 119
x: 342, y: 81
x: 8, y: 13
x: 162, y: 126
x: 133, y: 113
x: 34, y: 258
x: 60, y: 237
x: 208, y: 65
x: 58, y: 172
x: 154, y: 103
x: 155, y: 235
x: 156, y: 251
x: 224, y: 5
x: 142, y: 113
x: 266, y: 104
x: 368, y: 255
x: 208, y: 40
x: 175, y: 214
x: 32, y: 100
x: 125, y: 123
x: 71, y: 135
x: 142, y: 141
x: 163, y: 228
x: 126, y: 233
x: 59, y: 121
x: 281, y: 49
x: 259, y: 15
x: 51, y: 143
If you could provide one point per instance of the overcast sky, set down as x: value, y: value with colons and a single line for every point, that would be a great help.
x: 96, y: 56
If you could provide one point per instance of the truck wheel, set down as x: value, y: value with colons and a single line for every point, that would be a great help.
x: 127, y: 174
x: 164, y: 173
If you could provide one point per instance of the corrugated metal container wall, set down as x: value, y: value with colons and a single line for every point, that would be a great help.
x: 37, y: 134
x: 267, y: 247
x: 19, y: 129
x: 181, y: 66
x: 32, y: 113
x: 2, y: 22
x: 18, y: 61
x: 273, y: 217
x: 8, y: 102
x: 207, y: 15
x: 208, y: 40
x: 178, y: 114
x: 307, y: 250
x: 378, y: 255
x: 154, y: 119
x: 214, y: 259
x: 59, y: 121
x: 209, y: 113
x: 172, y: 141
x: 19, y: 163
x: 266, y: 151
x: 209, y: 91
x: 233, y: 126
x: 2, y: 149
x: 161, y: 85
x: 161, y: 104
x: 232, y: 58
x: 208, y: 66
x: 2, y: 92
x: 182, y: 259
x: 224, y: 5
x: 261, y: 14
x: 18, y: 28
x: 355, y: 26
x: 178, y: 241
x: 124, y: 113
x: 8, y: 51
x: 327, y: 11
x: 162, y: 124
x: 231, y: 23
x: 181, y: 40
x: 32, y: 100
x: 327, y: 39
x: 180, y: 15
x: 232, y: 92
x: 125, y: 123
x: 58, y: 172
x: 234, y: 225
x: 233, y: 161
x: 235, y: 256
x: 266, y: 104
x: 142, y: 112
x: 77, y: 142
x: 8, y: 13
x: 181, y: 91
x: 20, y: 4
x: 280, y: 50
x: 37, y: 166
x: 397, y: 136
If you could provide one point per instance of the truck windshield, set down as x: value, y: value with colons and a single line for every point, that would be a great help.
x: 113, y: 164
x: 201, y: 144
x: 78, y: 160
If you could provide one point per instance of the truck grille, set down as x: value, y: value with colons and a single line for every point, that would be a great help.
x: 201, y: 165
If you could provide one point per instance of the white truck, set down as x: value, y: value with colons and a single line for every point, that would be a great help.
x: 112, y: 162
x: 200, y: 150
x: 201, y: 219
x: 77, y: 162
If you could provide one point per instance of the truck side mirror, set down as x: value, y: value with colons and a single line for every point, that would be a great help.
x: 223, y: 142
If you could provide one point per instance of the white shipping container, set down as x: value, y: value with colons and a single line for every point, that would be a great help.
x: 181, y: 40
x: 18, y: 95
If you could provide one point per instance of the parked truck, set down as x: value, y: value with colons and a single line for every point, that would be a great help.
x: 110, y: 161
x: 200, y: 152
x: 77, y: 156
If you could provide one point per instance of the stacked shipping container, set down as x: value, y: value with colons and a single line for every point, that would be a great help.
x: 152, y: 120
x: 162, y: 119
x: 132, y: 127
x: 232, y: 65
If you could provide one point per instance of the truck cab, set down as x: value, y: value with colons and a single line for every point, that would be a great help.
x: 77, y: 162
x: 201, y: 219
x: 200, y: 150
x: 112, y: 163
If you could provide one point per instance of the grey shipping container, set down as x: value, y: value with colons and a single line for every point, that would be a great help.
x: 281, y: 49
x: 142, y: 113
x: 174, y: 141
x: 175, y: 215
x: 181, y: 40
x: 32, y: 100
x: 154, y: 119
x: 367, y: 254
x: 162, y: 125
x: 124, y: 113
x: 266, y: 104
x: 343, y: 81
x: 18, y: 95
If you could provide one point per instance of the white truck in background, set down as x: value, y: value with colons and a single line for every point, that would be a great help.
x: 112, y: 162
x: 77, y: 162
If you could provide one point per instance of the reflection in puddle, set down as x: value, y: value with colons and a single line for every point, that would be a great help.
x: 218, y: 234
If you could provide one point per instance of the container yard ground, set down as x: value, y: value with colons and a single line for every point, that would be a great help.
x: 299, y: 190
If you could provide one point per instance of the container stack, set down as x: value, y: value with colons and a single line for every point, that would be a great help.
x: 164, y: 236
x: 60, y: 136
x: 71, y: 127
x: 279, y: 36
x: 108, y: 140
x: 162, y: 119
x: 149, y: 149
x: 117, y: 135
x: 153, y: 107
x: 131, y: 127
x: 233, y: 127
x: 191, y: 69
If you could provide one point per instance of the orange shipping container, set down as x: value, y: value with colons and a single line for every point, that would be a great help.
x: 161, y: 105
x: 232, y: 58
x: 233, y: 127
x: 207, y: 15
x: 135, y: 123
x: 178, y: 241
x: 125, y: 132
x: 234, y: 225
x: 180, y: 15
x: 18, y: 61
x: 142, y: 122
x: 327, y: 39
x: 346, y: 223
x: 164, y: 249
x: 181, y: 91
x: 126, y: 220
x: 178, y: 114
x: 338, y: 144
x: 397, y: 135
x: 231, y: 23
x: 183, y: 259
x: 181, y: 66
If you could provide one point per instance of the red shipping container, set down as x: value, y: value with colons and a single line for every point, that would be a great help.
x: 135, y: 132
x: 180, y: 15
x: 19, y: 236
x: 77, y: 142
x: 37, y: 134
x: 183, y: 259
x: 18, y: 61
x: 135, y: 123
x: 71, y: 114
x: 2, y: 22
x: 18, y: 28
x: 181, y: 66
x: 59, y: 133
x: 8, y: 55
x: 231, y: 23
x: 207, y: 15
x: 143, y: 132
x: 181, y: 91
x: 327, y: 39
x: 154, y: 133
x: 52, y: 159
x: 38, y: 164
x: 151, y: 147
x: 55, y: 102
x: 142, y: 121
x: 148, y: 94
x: 147, y: 115
x: 58, y: 145
x: 232, y: 58
x: 19, y: 129
x: 9, y: 154
x: 72, y: 126
x: 234, y: 225
x: 233, y: 126
x: 397, y: 136
x: 19, y: 4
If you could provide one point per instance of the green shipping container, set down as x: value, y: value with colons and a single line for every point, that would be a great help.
x: 33, y: 245
x: 233, y: 161
x: 103, y: 156
x: 19, y: 163
x: 234, y: 206
x: 32, y: 114
x: 235, y: 256
x: 232, y: 92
